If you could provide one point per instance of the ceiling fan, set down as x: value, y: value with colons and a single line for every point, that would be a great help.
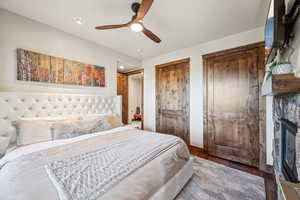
x: 136, y: 23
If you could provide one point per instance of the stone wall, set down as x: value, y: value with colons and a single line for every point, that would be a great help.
x: 285, y: 107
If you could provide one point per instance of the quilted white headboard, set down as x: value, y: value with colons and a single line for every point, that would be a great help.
x: 31, y: 105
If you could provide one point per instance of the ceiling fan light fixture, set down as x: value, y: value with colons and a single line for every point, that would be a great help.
x: 121, y: 67
x: 136, y: 23
x: 136, y: 27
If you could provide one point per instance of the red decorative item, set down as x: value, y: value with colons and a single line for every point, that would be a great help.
x: 137, y: 116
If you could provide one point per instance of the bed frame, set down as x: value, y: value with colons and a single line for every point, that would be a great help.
x: 14, y: 106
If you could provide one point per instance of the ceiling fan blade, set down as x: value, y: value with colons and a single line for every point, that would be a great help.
x: 144, y: 8
x: 106, y: 27
x: 151, y: 35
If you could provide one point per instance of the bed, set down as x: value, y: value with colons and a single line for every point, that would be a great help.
x: 119, y: 163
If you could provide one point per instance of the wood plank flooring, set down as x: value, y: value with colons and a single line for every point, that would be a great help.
x: 270, y: 183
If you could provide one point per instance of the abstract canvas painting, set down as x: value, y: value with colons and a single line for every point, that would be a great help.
x: 69, y: 72
x: 86, y: 75
x: 57, y: 70
x: 32, y: 66
x: 98, y: 79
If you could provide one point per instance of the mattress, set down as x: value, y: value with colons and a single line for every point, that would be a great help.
x: 23, y: 175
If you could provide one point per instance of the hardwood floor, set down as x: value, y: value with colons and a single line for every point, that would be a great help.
x: 270, y: 184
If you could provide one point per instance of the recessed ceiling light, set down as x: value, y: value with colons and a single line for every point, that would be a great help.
x: 78, y: 20
x: 121, y: 67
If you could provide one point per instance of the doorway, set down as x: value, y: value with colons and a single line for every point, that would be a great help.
x: 131, y: 87
x: 172, y: 99
x: 234, y: 111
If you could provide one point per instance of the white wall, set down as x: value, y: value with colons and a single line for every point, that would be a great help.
x: 19, y: 32
x: 196, y: 90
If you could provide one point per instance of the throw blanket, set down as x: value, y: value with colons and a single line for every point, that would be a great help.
x: 89, y: 175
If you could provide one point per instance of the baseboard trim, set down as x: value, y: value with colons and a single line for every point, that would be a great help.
x: 196, y: 149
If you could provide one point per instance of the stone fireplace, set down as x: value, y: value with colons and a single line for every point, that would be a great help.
x: 288, y: 150
x: 286, y: 154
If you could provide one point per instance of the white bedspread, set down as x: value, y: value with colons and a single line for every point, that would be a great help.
x: 23, y: 175
x: 22, y: 151
x: 90, y: 175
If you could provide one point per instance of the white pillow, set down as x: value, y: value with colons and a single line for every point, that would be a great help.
x: 32, y: 131
x: 23, y: 129
x: 75, y: 128
x: 112, y: 120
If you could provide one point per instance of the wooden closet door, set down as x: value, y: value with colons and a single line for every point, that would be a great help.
x: 232, y: 105
x: 172, y: 99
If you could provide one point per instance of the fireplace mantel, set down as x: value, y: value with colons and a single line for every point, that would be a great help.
x: 281, y: 84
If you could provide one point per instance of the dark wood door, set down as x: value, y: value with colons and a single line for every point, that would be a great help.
x: 122, y: 90
x: 231, y: 84
x: 172, y: 99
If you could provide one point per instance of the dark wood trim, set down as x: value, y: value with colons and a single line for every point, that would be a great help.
x: 205, y: 104
x: 142, y: 101
x: 234, y: 50
x: 262, y: 112
x: 262, y: 100
x: 186, y: 60
x: 138, y: 71
x: 124, y: 94
x: 271, y: 185
x: 196, y: 149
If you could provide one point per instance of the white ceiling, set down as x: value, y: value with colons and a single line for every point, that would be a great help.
x: 179, y: 23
